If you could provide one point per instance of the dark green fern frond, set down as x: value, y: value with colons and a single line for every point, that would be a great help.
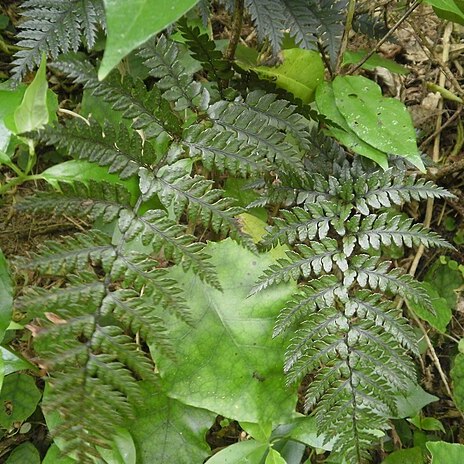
x: 221, y: 150
x: 146, y: 109
x: 79, y: 251
x: 55, y: 26
x: 161, y: 59
x: 122, y: 151
x: 197, y: 197
x: 203, y: 49
x: 93, y: 199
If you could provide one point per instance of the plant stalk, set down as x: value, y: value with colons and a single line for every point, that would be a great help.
x: 237, y: 19
x: 346, y: 33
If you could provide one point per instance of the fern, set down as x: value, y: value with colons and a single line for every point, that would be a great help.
x: 112, y: 300
x: 306, y: 21
x: 53, y: 27
x: 346, y: 332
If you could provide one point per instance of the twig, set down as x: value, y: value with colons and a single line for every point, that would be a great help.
x: 446, y: 124
x: 236, y: 30
x: 386, y: 36
x: 348, y: 25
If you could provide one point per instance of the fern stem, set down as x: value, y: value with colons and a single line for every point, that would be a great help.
x: 386, y: 36
x: 346, y: 33
x: 236, y: 30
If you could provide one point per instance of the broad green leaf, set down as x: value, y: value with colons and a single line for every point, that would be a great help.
x: 274, y: 457
x: 304, y: 430
x: 122, y: 450
x: 457, y: 376
x: 14, y: 362
x: 445, y: 281
x: 452, y: 10
x: 236, y: 188
x: 24, y: 453
x: 260, y: 432
x: 405, y: 456
x: 19, y: 398
x: 54, y: 456
x: 228, y: 362
x: 446, y: 453
x: 381, y: 122
x: 325, y: 101
x: 291, y: 451
x: 443, y: 314
x: 166, y: 430
x: 6, y: 295
x: 130, y: 27
x: 300, y: 73
x: 33, y: 112
x: 427, y: 423
x: 243, y: 452
x: 410, y: 405
x: 353, y: 57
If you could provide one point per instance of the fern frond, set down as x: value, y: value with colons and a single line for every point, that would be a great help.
x: 78, y: 252
x: 122, y: 151
x: 165, y: 235
x: 147, y: 110
x: 161, y: 59
x: 383, y: 189
x: 197, y: 197
x: 312, y: 259
x: 377, y: 230
x: 203, y: 49
x: 93, y: 199
x: 265, y: 138
x: 220, y: 149
x: 53, y: 27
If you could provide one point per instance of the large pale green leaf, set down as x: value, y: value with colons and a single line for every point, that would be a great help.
x: 353, y: 57
x: 14, y: 362
x: 6, y: 295
x: 33, y: 112
x: 19, y: 398
x: 325, y: 101
x: 409, y: 405
x: 228, y: 362
x: 381, y: 122
x: 243, y: 452
x: 54, y: 456
x: 166, y: 430
x: 24, y: 453
x: 300, y: 73
x: 446, y: 453
x: 130, y: 24
x: 122, y: 449
x: 274, y: 457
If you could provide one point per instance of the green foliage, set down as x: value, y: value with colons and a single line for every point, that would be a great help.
x: 352, y: 342
x: 25, y: 452
x: 53, y: 26
x: 6, y: 297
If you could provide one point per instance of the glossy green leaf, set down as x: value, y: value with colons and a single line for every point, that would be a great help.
x: 19, y: 398
x: 54, y: 456
x: 446, y: 453
x: 452, y: 10
x: 228, y: 362
x: 325, y: 101
x: 457, y: 376
x: 304, y: 430
x: 6, y: 295
x: 274, y: 457
x: 127, y: 29
x: 166, y: 430
x: 410, y: 405
x: 353, y: 57
x: 14, y: 362
x: 443, y: 314
x: 243, y: 452
x: 261, y: 432
x: 122, y: 450
x: 300, y: 73
x: 24, y: 453
x: 405, y: 456
x: 33, y: 112
x: 384, y: 123
x: 427, y: 423
x: 291, y: 451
